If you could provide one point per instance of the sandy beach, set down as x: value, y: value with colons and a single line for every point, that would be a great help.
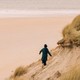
x: 22, y: 38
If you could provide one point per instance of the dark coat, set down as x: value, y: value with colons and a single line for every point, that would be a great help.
x: 45, y: 53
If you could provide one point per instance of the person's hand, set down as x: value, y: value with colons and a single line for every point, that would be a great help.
x: 50, y: 55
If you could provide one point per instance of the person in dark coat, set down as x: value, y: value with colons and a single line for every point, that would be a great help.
x: 45, y: 53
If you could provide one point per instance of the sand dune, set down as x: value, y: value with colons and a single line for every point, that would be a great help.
x: 63, y: 60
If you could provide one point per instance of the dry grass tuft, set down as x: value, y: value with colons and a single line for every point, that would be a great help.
x: 71, y: 33
x: 19, y: 71
x: 74, y: 74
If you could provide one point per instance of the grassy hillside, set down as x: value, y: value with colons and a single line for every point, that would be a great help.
x: 71, y: 33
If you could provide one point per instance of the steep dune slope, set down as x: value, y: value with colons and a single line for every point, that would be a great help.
x: 62, y: 61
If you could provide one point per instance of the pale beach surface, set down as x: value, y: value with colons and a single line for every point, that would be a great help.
x: 22, y: 38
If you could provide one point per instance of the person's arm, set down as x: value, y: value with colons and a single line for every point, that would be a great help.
x: 40, y: 51
x: 49, y: 53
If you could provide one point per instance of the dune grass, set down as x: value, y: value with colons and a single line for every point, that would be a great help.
x: 66, y: 32
x: 76, y: 23
x: 20, y: 71
x: 71, y: 33
x: 73, y: 74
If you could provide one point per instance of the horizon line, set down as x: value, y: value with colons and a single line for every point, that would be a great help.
x: 36, y: 13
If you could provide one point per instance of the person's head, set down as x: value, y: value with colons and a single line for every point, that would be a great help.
x: 45, y: 45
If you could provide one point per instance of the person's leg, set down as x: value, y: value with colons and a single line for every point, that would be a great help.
x: 44, y: 62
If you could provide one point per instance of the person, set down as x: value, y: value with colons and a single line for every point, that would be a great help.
x: 45, y: 53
